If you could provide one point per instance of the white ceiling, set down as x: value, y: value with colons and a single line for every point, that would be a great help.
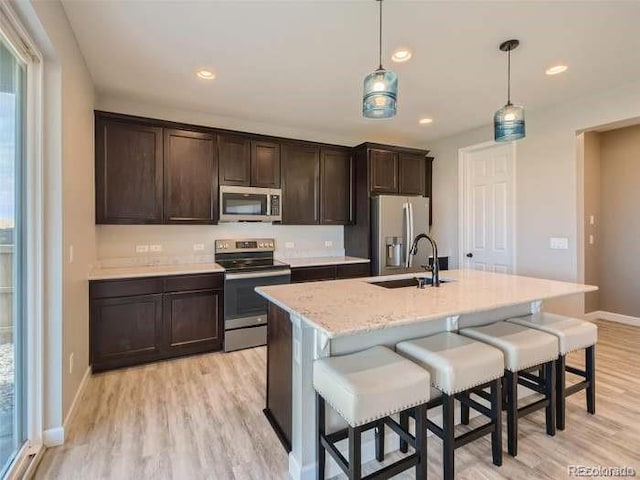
x: 301, y: 63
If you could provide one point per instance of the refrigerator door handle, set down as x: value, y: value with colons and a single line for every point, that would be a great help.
x: 407, y: 232
x: 411, y: 232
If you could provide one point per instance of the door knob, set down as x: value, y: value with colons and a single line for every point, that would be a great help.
x: 469, y: 255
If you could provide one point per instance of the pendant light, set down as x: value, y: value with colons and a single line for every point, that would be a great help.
x: 508, y: 122
x: 380, y: 87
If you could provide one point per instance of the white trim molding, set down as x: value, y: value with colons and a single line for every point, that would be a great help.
x: 76, y: 399
x: 53, y: 437
x: 612, y: 317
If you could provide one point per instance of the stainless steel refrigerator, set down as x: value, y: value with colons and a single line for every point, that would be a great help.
x: 396, y: 220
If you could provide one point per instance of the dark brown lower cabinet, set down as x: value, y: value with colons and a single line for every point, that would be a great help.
x: 125, y: 330
x: 330, y: 272
x: 190, y: 321
x: 279, y: 374
x: 141, y: 320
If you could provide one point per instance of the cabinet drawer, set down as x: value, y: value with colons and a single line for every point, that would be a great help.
x: 125, y: 287
x: 353, y: 270
x: 313, y: 274
x: 182, y: 283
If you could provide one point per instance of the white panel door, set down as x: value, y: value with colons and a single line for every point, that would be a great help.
x: 487, y: 219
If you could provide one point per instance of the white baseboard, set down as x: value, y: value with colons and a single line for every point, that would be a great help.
x: 76, y: 399
x: 613, y: 317
x: 53, y: 437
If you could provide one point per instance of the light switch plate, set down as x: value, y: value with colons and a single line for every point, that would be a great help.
x: 592, y: 220
x: 590, y: 239
x: 559, y: 243
x: 142, y: 248
x: 155, y: 248
x: 289, y: 245
x: 328, y: 243
x: 198, y: 247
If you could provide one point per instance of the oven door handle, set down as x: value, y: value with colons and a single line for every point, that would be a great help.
x: 270, y: 273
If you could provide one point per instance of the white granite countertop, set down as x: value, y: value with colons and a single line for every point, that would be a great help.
x: 138, y: 271
x: 347, y: 307
x: 317, y: 261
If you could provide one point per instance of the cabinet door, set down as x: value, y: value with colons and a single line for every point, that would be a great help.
x: 193, y: 321
x: 234, y: 154
x: 313, y: 274
x: 411, y: 174
x: 428, y: 186
x: 190, y: 181
x: 128, y: 173
x: 383, y: 171
x: 125, y: 330
x: 265, y: 164
x: 335, y: 187
x: 300, y: 182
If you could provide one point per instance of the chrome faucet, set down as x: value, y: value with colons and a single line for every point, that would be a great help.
x: 435, y: 268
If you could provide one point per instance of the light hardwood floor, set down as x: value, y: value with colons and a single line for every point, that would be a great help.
x: 201, y: 418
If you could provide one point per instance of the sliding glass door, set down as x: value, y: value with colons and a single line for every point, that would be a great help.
x: 12, y: 242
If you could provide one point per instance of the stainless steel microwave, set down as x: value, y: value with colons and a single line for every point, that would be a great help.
x: 250, y: 204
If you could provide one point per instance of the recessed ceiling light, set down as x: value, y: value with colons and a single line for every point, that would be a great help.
x: 206, y: 74
x: 401, y: 55
x: 425, y: 121
x: 556, y: 69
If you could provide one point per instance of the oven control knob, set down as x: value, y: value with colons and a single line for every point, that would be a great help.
x: 270, y: 244
x: 261, y: 245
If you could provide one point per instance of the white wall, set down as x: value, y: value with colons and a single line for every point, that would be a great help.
x: 69, y: 218
x: 547, y: 194
x: 117, y: 243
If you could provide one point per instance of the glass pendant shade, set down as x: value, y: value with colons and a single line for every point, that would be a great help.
x: 380, y: 94
x: 508, y: 123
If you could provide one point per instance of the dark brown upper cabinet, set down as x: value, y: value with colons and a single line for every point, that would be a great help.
x: 128, y: 172
x: 265, y: 164
x: 411, y: 174
x: 300, y: 184
x: 336, y: 206
x: 234, y: 152
x: 190, y: 177
x: 383, y: 171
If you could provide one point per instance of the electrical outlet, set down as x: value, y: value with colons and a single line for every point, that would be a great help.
x: 289, y: 245
x: 590, y: 239
x: 142, y: 248
x: 155, y: 248
x: 70, y: 253
x: 592, y: 220
x: 328, y: 243
x: 198, y: 247
x: 71, y: 358
x: 559, y: 243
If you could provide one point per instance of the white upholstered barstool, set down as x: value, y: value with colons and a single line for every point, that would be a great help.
x: 365, y: 388
x: 524, y: 350
x: 573, y: 334
x: 458, y: 365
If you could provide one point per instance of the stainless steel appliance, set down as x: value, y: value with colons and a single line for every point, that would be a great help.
x: 248, y: 264
x: 395, y: 221
x: 250, y: 204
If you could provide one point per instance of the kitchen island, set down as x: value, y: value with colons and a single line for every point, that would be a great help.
x: 315, y: 320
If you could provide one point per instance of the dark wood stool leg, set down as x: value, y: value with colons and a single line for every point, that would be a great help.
x: 590, y: 364
x: 355, y: 469
x: 561, y: 398
x: 504, y: 393
x: 448, y: 442
x: 379, y: 434
x: 404, y: 423
x: 421, y: 442
x: 496, y: 418
x: 511, y: 381
x: 550, y: 390
x: 320, y: 417
x: 464, y: 410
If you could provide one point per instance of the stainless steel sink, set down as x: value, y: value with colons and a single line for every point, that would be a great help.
x: 405, y: 282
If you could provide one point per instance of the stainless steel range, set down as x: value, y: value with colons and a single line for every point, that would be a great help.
x: 248, y: 263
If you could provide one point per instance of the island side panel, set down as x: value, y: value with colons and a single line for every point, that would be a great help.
x: 279, y: 373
